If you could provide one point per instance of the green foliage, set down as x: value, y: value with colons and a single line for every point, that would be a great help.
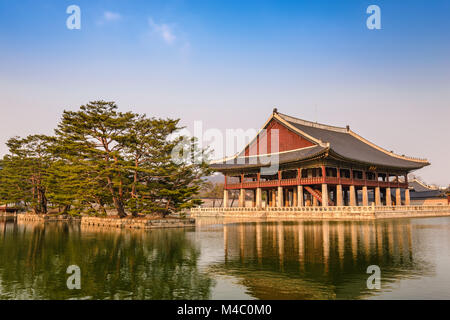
x: 23, y: 172
x: 101, y: 158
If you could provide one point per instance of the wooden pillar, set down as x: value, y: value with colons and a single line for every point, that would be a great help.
x: 407, y: 199
x: 365, y: 196
x: 280, y: 197
x: 377, y: 196
x: 300, y: 197
x: 398, y: 197
x: 352, y: 196
x: 258, y: 198
x: 314, y: 201
x: 225, y: 198
x: 324, y: 194
x: 242, y: 198
x: 339, y: 199
x: 388, y: 197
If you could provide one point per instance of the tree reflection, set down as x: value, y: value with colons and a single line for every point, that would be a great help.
x: 115, y: 264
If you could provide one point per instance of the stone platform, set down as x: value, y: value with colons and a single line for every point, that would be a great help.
x: 339, y: 213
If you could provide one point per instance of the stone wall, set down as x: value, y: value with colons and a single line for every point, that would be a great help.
x: 137, y: 223
x: 46, y: 217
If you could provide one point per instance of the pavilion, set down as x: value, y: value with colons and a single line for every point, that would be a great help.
x: 315, y: 165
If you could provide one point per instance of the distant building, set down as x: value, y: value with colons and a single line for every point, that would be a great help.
x: 423, y: 194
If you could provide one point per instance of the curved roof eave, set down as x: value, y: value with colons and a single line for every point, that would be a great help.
x: 418, y: 165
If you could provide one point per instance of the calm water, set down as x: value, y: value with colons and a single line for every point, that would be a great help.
x: 229, y: 259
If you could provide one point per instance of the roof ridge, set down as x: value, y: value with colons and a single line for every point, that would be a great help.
x: 313, y: 124
x: 423, y: 184
x: 390, y: 153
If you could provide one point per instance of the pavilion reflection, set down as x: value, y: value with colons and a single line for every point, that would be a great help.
x: 317, y: 259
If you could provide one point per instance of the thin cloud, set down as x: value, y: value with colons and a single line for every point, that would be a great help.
x: 109, y: 16
x: 164, y: 31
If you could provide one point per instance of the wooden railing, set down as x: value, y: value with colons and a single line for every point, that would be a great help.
x: 315, y: 180
x: 268, y: 183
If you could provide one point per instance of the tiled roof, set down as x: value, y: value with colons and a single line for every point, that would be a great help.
x: 417, y: 185
x: 349, y: 145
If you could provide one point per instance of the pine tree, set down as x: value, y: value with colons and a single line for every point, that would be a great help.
x: 92, y: 140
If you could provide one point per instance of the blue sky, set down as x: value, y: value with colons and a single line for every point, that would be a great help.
x: 229, y: 63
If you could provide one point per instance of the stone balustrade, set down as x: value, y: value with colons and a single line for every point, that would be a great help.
x: 334, y: 212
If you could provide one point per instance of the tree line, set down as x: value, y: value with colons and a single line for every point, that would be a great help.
x: 100, y: 159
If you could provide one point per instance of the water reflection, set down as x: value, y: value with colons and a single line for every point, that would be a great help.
x: 114, y: 264
x: 317, y: 259
x: 228, y: 259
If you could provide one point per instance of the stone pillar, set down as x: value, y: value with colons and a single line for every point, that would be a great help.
x: 295, y: 198
x: 377, y: 196
x: 388, y: 197
x: 352, y: 196
x: 398, y: 197
x: 314, y: 201
x: 324, y: 195
x: 225, y: 198
x: 339, y: 199
x: 280, y: 197
x: 300, y: 196
x: 258, y: 198
x: 407, y: 199
x: 241, y: 198
x: 286, y: 197
x: 365, y: 196
x: 274, y: 198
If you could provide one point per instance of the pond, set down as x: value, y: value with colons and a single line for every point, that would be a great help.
x: 229, y: 259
